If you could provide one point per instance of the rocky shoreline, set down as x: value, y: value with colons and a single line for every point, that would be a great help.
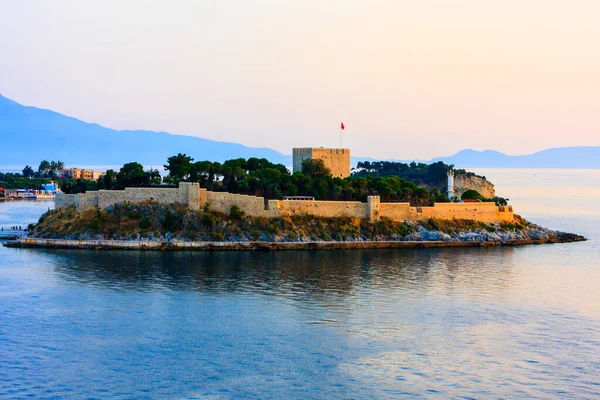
x: 157, y: 227
x: 560, y: 237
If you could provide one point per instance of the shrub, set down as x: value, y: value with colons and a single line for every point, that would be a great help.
x: 472, y: 194
x: 217, y: 236
x: 171, y: 222
x: 145, y: 223
x: 134, y: 215
x: 236, y: 213
x: 500, y: 201
x: 208, y: 220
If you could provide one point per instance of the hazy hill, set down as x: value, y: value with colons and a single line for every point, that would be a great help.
x: 563, y: 157
x: 30, y: 134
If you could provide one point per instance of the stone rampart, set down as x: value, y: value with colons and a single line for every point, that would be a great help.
x: 374, y: 208
x: 195, y: 197
x: 135, y: 195
x: 63, y: 200
x: 82, y: 201
x: 483, y: 212
x: 251, y: 205
x: 353, y: 209
x: 395, y: 211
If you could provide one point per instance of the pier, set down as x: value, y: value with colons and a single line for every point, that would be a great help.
x: 12, y: 234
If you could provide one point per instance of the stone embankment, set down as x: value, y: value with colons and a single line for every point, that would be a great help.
x: 465, y: 241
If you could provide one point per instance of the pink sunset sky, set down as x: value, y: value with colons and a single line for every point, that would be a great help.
x: 410, y: 79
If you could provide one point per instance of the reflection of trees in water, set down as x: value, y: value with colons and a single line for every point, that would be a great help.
x: 293, y: 273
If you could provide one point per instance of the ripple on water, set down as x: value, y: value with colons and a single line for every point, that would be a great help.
x: 476, y: 323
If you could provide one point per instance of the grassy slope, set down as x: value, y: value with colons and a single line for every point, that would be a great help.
x: 154, y: 221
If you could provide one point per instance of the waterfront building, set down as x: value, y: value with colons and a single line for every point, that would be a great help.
x: 87, y: 174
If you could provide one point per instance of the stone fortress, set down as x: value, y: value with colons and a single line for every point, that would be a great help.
x: 337, y: 160
x: 195, y: 197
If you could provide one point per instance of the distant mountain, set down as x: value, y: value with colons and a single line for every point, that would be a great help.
x: 585, y: 157
x: 29, y: 135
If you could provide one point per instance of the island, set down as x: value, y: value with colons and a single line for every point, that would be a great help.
x: 255, y: 205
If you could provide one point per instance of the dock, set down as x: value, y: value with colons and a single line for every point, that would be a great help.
x: 11, y: 234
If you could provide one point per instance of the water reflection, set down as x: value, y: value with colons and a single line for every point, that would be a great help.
x: 459, y: 271
x: 500, y: 322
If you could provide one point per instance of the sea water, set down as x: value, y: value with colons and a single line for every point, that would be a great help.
x: 518, y: 322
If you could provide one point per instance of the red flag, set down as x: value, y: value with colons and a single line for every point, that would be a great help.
x: 343, y: 127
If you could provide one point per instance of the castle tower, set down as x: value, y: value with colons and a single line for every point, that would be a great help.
x: 450, y: 184
x: 336, y: 160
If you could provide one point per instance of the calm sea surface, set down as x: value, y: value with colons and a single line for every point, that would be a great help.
x: 455, y: 323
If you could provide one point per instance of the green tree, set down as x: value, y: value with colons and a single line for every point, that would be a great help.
x: 154, y: 177
x: 178, y: 167
x: 132, y: 174
x: 472, y: 194
x: 109, y: 180
x: 44, y: 166
x: 314, y: 168
x: 28, y: 172
x: 71, y: 186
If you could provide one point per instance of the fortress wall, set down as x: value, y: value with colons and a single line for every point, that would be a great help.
x: 483, y: 212
x: 202, y: 197
x: 81, y: 201
x: 395, y: 211
x: 373, y: 208
x: 189, y: 193
x: 195, y: 197
x: 88, y: 201
x: 353, y: 209
x: 135, y: 195
x: 251, y: 205
x: 63, y: 200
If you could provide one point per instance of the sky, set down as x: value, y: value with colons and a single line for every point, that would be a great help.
x: 409, y: 79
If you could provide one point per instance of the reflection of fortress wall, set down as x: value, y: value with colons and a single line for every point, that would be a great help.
x: 194, y: 197
x: 337, y: 160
